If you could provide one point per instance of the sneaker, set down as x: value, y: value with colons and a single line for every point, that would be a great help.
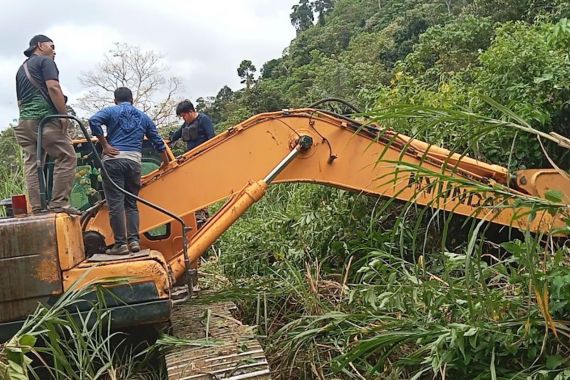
x: 116, y: 249
x: 134, y: 246
x: 67, y: 210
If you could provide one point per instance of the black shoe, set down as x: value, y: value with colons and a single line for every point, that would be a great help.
x: 67, y: 210
x: 40, y: 212
x: 134, y: 246
x: 121, y: 249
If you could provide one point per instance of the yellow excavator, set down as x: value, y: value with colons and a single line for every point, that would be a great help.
x: 41, y: 256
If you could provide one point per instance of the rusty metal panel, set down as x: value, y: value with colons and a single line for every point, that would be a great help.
x: 147, y: 266
x: 18, y: 310
x: 29, y: 266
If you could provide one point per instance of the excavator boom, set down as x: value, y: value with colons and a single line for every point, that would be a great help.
x: 344, y: 154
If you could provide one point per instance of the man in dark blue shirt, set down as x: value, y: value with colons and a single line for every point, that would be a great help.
x: 122, y: 154
x: 197, y: 127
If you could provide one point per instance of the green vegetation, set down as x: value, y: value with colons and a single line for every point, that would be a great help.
x: 345, y: 286
x: 60, y: 343
x: 11, y: 166
x: 353, y: 287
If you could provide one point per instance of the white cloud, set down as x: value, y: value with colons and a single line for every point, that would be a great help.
x: 202, y: 42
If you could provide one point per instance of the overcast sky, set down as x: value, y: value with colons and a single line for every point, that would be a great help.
x: 203, y: 42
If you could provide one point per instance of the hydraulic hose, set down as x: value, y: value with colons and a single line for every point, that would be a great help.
x: 335, y: 100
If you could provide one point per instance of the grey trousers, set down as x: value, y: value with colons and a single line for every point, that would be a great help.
x: 57, y: 144
x: 123, y: 211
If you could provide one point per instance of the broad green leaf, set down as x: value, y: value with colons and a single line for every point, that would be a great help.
x: 28, y: 340
x: 555, y: 361
x: 554, y: 196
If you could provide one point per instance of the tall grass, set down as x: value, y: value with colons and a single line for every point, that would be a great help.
x: 11, y: 165
x: 57, y: 342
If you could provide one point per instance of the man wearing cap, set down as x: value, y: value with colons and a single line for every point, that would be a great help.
x: 39, y: 95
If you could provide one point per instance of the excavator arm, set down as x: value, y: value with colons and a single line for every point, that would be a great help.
x: 312, y: 146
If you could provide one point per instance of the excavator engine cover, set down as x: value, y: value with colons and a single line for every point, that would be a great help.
x: 29, y: 263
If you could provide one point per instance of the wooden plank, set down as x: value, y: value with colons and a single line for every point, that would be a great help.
x: 239, y: 357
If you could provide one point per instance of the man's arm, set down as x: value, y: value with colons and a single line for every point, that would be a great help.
x: 56, y: 96
x: 152, y: 135
x: 50, y: 74
x: 95, y: 123
x: 208, y: 127
x: 176, y: 135
x: 108, y: 149
x: 165, y: 159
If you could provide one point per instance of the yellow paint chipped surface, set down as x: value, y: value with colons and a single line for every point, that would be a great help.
x: 69, y: 241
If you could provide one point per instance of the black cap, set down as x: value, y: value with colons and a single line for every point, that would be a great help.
x: 34, y: 43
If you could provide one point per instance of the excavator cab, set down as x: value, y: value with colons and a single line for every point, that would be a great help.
x: 87, y: 192
x: 87, y: 187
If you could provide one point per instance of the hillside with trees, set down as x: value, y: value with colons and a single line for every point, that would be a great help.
x: 375, y: 54
x: 379, y: 53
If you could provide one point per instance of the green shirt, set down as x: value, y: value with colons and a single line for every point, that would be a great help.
x: 33, y: 102
x: 36, y: 108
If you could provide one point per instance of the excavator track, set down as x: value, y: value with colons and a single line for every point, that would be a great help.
x: 237, y: 354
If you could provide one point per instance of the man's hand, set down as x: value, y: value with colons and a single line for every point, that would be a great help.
x: 110, y: 150
x: 64, y: 123
x: 56, y: 95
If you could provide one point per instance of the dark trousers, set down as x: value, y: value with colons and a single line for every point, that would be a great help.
x: 123, y: 211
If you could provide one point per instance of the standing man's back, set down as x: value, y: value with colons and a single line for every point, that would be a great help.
x: 39, y: 94
x: 122, y: 154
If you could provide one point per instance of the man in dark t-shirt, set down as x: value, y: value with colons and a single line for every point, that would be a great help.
x: 39, y: 94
